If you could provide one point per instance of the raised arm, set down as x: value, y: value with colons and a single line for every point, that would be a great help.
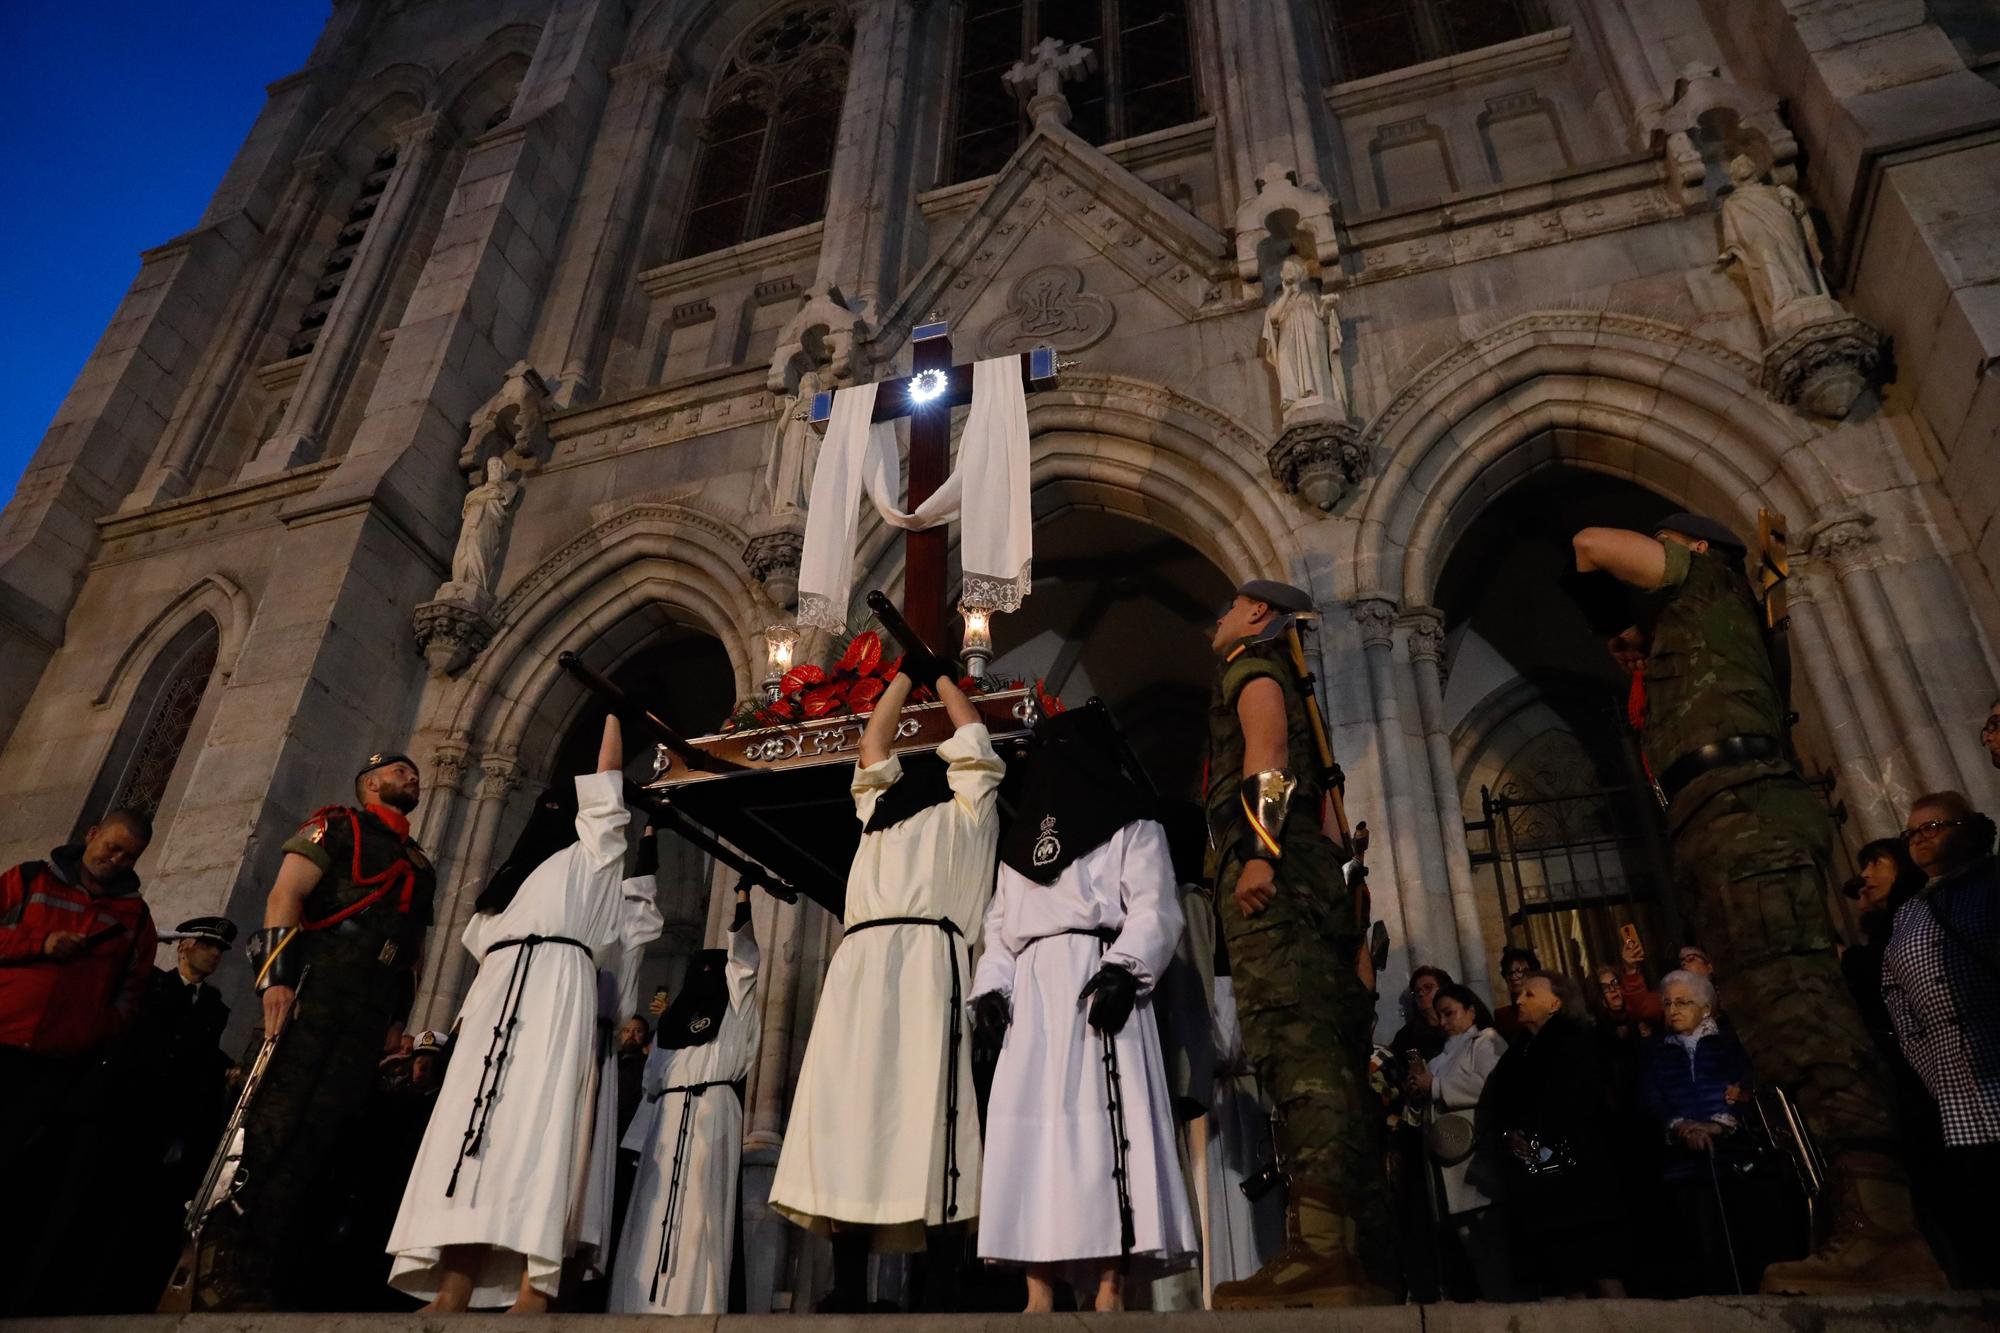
x: 611, y: 747
x: 956, y: 706
x: 1629, y: 557
x: 880, y: 732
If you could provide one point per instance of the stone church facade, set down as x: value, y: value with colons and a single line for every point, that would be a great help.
x: 583, y: 253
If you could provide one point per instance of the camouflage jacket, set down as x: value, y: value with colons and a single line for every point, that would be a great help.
x: 1245, y: 662
x: 327, y: 840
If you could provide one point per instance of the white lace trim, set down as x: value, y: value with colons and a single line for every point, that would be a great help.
x: 817, y: 611
x: 991, y: 592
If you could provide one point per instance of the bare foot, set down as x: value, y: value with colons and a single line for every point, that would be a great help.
x: 1041, y: 1295
x: 1110, y: 1293
x: 529, y: 1302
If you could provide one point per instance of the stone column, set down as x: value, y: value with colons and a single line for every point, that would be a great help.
x: 1852, y: 550
x: 444, y: 980
x: 1870, y: 789
x: 604, y: 225
x: 1430, y: 940
x: 1427, y: 666
x: 246, y: 322
x: 1260, y: 98
x: 300, y: 437
x: 871, y: 189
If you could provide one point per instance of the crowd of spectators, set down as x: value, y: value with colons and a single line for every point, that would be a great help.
x: 1624, y: 1144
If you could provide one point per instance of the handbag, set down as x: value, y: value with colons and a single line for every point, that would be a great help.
x: 1450, y: 1137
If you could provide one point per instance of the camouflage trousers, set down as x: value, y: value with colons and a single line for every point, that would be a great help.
x: 1307, y: 1022
x: 1751, y: 865
x: 322, y: 1073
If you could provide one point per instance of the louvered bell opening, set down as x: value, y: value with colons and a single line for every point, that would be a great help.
x: 364, y: 208
x: 303, y: 344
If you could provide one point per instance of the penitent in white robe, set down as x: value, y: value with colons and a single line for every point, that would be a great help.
x: 1049, y: 1195
x: 522, y: 1194
x: 640, y: 923
x: 702, y: 1239
x: 867, y: 1140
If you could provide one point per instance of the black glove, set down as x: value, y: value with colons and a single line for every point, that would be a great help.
x: 1116, y: 991
x: 742, y: 917
x: 991, y: 1013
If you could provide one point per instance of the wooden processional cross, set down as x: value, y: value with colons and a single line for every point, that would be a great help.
x: 927, y: 396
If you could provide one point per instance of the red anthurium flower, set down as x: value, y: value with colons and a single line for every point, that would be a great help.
x: 887, y: 670
x: 863, y: 655
x: 801, y: 676
x: 781, y: 708
x: 823, y: 699
x: 864, y: 694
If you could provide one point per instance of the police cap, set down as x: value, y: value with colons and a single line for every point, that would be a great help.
x: 213, y: 929
x: 1278, y: 596
x: 382, y: 759
x: 1701, y: 528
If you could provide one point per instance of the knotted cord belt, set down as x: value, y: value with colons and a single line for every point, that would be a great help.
x: 503, y: 1039
x: 1114, y: 1092
x: 952, y: 1038
x: 692, y: 1091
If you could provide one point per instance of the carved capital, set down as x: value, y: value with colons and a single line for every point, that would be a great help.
x: 1847, y: 542
x: 774, y: 559
x: 448, y: 764
x: 500, y: 773
x: 451, y: 633
x: 1319, y: 462
x: 422, y: 134
x: 1825, y: 363
x: 662, y: 71
x: 1376, y: 617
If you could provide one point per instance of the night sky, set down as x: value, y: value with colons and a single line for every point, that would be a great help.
x: 117, y: 120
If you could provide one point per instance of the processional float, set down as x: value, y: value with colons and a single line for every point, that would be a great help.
x: 770, y: 800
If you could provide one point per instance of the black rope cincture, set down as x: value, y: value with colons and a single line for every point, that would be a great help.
x: 688, y: 1094
x: 497, y: 1049
x: 1121, y: 1145
x: 954, y: 1036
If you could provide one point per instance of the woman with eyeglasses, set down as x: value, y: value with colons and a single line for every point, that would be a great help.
x: 1688, y: 1086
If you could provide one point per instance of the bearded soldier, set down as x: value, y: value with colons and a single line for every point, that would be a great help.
x: 1294, y: 930
x: 351, y: 903
x: 1751, y: 850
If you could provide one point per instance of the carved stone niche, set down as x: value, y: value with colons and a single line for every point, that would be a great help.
x: 451, y: 634
x: 773, y: 557
x: 1822, y: 359
x: 1319, y: 462
x: 826, y: 334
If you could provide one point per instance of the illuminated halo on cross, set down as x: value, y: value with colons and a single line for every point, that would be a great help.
x: 928, y: 385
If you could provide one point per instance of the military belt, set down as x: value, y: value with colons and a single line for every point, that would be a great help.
x: 1714, y: 755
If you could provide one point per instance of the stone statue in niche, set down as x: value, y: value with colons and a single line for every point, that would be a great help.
x: 1765, y: 229
x: 1301, y: 339
x: 477, y: 559
x: 788, y: 473
x: 1817, y: 356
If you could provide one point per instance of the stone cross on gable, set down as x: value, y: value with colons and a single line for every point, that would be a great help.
x: 1050, y: 63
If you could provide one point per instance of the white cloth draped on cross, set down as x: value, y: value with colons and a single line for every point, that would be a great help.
x: 997, y: 539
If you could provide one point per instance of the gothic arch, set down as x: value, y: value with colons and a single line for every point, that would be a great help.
x: 1615, y: 393
x: 214, y: 595
x: 505, y: 51
x: 585, y: 598
x: 393, y: 93
x: 1172, y: 461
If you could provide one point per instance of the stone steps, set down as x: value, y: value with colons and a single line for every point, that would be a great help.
x: 1915, y: 1313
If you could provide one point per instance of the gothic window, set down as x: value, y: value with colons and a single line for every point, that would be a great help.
x: 1143, y: 80
x: 767, y: 140
x: 334, y: 275
x: 148, y: 745
x: 1376, y: 36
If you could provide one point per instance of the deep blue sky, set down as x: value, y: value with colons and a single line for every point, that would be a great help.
x: 117, y: 120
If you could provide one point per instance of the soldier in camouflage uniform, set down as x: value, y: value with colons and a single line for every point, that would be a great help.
x: 1294, y: 930
x: 1751, y: 850
x: 351, y: 903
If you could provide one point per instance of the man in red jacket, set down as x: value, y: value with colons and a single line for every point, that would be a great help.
x: 76, y: 953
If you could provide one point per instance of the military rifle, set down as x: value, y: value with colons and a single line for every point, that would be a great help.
x: 222, y: 1184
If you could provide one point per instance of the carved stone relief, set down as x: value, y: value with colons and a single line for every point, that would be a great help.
x: 1049, y: 307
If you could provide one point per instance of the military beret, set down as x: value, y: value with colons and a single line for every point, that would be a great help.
x: 215, y: 929
x: 382, y: 759
x: 1278, y: 596
x: 1701, y: 528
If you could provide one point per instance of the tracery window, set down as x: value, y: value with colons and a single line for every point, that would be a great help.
x: 767, y: 139
x: 1143, y: 81
x: 163, y: 709
x: 1376, y: 36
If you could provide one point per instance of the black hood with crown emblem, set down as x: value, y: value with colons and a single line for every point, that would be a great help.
x: 695, y: 1016
x: 1079, y: 789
